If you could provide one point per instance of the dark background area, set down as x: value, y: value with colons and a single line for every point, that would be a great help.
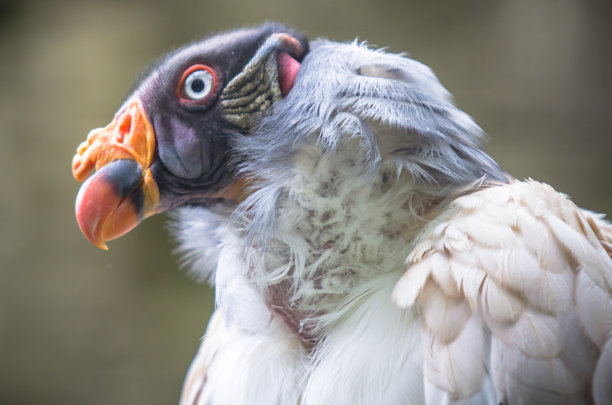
x: 83, y: 326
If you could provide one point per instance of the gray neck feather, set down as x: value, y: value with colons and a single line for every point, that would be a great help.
x: 394, y: 106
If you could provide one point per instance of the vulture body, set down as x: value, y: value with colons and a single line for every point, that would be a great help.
x: 363, y: 247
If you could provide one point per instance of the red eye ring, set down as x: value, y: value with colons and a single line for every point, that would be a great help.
x: 197, y: 83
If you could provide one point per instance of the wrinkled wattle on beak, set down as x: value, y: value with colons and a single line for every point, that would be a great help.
x: 122, y: 191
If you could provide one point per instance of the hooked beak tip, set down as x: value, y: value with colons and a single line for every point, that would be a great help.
x: 110, y: 203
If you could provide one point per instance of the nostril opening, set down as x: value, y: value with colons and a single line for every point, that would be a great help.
x: 125, y: 127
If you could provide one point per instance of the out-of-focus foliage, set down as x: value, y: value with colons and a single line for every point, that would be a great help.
x: 82, y: 326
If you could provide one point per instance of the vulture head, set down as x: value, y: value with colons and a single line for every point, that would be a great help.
x: 171, y: 142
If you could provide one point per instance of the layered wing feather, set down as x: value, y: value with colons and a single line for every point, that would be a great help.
x: 514, y: 284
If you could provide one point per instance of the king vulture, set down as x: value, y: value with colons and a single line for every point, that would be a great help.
x: 363, y: 246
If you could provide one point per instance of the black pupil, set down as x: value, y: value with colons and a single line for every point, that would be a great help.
x: 197, y: 85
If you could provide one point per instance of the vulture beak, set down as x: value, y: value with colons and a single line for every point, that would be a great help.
x: 122, y: 192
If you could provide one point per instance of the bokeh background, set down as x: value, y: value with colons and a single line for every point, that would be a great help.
x: 83, y: 326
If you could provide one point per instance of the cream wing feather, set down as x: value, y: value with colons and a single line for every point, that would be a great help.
x: 196, y: 378
x: 514, y: 285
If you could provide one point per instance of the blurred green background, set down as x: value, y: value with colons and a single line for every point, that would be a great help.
x: 83, y: 326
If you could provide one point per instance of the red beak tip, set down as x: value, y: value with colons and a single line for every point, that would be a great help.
x: 90, y: 234
x: 102, y: 213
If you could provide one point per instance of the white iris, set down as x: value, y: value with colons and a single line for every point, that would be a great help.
x: 198, y: 84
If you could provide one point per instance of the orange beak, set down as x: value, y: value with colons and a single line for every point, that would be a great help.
x: 122, y: 192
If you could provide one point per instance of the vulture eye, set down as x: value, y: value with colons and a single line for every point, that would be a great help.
x: 197, y: 83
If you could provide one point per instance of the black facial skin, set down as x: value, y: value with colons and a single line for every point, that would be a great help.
x: 194, y: 159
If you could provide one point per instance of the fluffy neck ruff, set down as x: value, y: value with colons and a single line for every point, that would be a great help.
x: 338, y: 228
